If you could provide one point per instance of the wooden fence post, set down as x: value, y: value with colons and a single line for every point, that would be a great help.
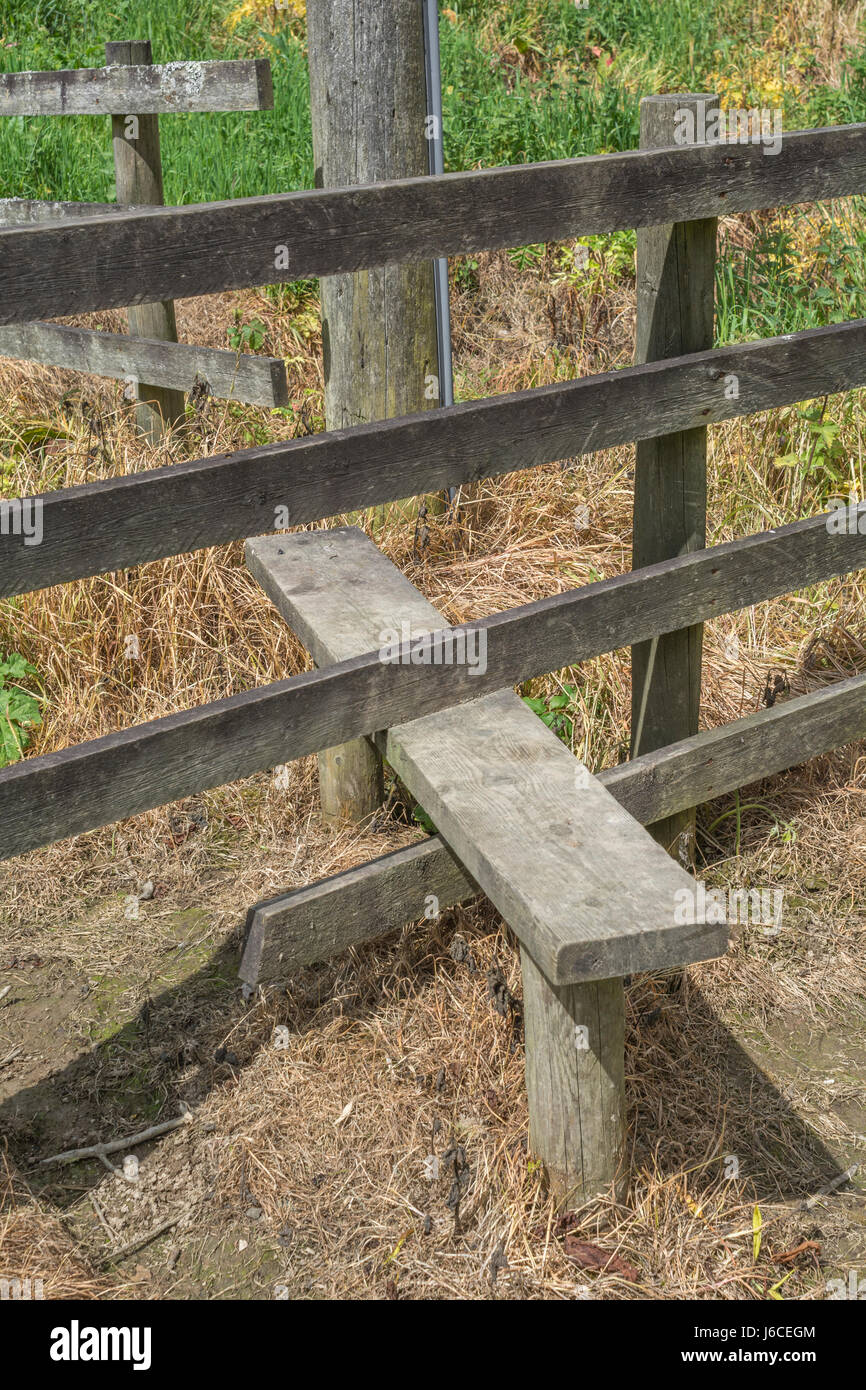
x: 138, y: 179
x: 369, y: 110
x: 575, y: 1082
x: 675, y: 313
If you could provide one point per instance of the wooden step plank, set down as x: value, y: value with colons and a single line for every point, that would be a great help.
x: 236, y: 84
x: 584, y: 887
x: 305, y: 925
x: 119, y: 522
x: 230, y: 375
x: 174, y: 253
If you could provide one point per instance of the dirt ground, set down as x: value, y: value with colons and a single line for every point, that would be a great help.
x: 379, y: 1147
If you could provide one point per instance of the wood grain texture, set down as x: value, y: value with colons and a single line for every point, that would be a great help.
x: 138, y: 179
x: 243, y: 377
x: 24, y: 212
x: 241, y: 84
x: 49, y: 797
x: 575, y: 1082
x: 302, y: 926
x: 518, y: 811
x: 379, y: 344
x: 127, y: 521
x: 178, y: 252
x: 676, y: 268
x: 317, y: 922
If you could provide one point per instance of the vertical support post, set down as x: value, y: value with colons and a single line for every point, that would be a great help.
x: 138, y: 179
x: 675, y: 315
x: 575, y: 1082
x: 369, y: 117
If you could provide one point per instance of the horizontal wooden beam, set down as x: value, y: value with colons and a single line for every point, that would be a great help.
x: 172, y: 253
x: 92, y: 784
x: 241, y: 376
x: 313, y: 923
x: 241, y: 84
x: 514, y: 805
x: 119, y: 522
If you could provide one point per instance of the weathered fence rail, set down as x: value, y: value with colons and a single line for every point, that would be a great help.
x: 575, y: 1103
x: 204, y: 248
x: 119, y: 522
x: 91, y: 784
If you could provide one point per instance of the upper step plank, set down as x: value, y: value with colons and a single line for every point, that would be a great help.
x: 586, y: 889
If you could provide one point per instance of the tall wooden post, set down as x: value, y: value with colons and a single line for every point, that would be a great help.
x: 675, y: 304
x: 138, y: 179
x: 368, y: 96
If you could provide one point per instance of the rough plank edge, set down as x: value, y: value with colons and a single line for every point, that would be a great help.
x: 26, y: 212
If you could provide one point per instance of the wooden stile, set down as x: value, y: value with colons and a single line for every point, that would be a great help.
x: 59, y: 794
x: 305, y: 925
x: 526, y: 819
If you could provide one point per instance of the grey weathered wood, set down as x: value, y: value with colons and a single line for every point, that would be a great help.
x: 244, y: 377
x: 138, y: 179
x: 676, y: 270
x: 305, y: 925
x: 23, y: 212
x: 579, y: 881
x: 367, y: 100
x: 175, y: 252
x: 127, y: 521
x: 516, y: 808
x: 575, y: 1081
x: 65, y: 793
x: 242, y: 84
x: 318, y: 921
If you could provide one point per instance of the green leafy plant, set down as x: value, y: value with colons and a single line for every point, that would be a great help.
x: 552, y: 710
x: 824, y: 464
x: 19, y: 709
x: 246, y: 336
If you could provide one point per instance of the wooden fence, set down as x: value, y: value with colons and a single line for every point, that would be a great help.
x: 146, y: 255
x: 134, y: 93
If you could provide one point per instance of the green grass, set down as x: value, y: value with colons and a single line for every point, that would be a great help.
x: 574, y: 92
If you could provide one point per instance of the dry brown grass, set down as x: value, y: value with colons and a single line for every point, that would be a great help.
x: 400, y: 1029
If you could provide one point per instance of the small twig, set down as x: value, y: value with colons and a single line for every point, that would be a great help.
x: 10, y: 1055
x: 102, y: 1221
x: 122, y: 1251
x: 4, y: 991
x: 115, y: 1145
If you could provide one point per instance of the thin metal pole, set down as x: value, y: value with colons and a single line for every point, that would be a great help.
x: 437, y: 166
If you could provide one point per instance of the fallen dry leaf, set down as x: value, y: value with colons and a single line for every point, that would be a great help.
x: 593, y: 1257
